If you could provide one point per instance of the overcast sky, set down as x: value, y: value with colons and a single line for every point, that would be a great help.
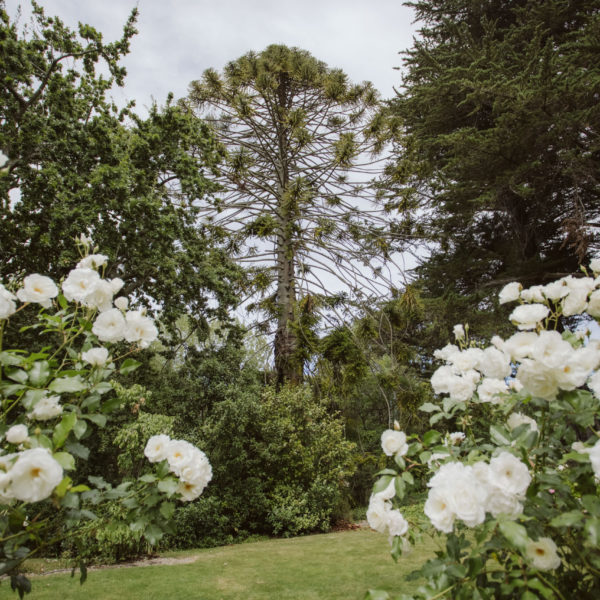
x: 179, y: 39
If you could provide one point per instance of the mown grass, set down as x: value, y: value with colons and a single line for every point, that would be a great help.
x: 332, y: 566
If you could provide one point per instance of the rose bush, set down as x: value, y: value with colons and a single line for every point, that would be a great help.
x: 54, y: 398
x: 516, y: 511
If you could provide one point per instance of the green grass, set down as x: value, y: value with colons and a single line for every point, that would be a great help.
x: 328, y: 566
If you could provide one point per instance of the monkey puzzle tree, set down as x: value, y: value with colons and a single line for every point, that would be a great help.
x: 297, y: 204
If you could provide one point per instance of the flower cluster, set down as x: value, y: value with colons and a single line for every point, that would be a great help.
x: 381, y: 515
x: 467, y: 492
x: 85, y: 286
x: 186, y: 461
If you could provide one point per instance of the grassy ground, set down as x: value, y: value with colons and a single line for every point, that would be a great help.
x: 324, y: 567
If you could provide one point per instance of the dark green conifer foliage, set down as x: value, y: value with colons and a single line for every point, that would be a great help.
x: 498, y: 157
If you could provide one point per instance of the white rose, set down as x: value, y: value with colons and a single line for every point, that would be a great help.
x: 190, y: 491
x: 491, y: 390
x: 396, y: 523
x: 467, y: 359
x: 594, y: 384
x: 551, y: 350
x: 198, y: 470
x: 122, y: 303
x: 93, y: 261
x: 494, y: 363
x: 575, y: 302
x: 39, y: 289
x: 556, y: 290
x: 533, y: 294
x: 79, y: 284
x: 510, y: 292
x: 509, y: 474
x: 394, y: 442
x: 516, y: 419
x: 575, y: 371
x: 179, y: 454
x: 445, y: 352
x: 100, y: 297
x: 537, y: 379
x: 461, y: 389
x: 377, y: 514
x: 17, y: 434
x: 594, y: 454
x: 434, y: 460
x: 595, y: 265
x: 456, y: 437
x: 109, y: 325
x: 116, y: 284
x: 441, y: 378
x: 34, y: 475
x: 528, y: 316
x: 7, y: 303
x: 593, y: 307
x: 501, y: 503
x: 438, y: 511
x: 519, y: 345
x: 86, y: 240
x: 46, y: 408
x: 96, y: 357
x: 140, y: 328
x: 459, y: 332
x: 542, y: 554
x: 156, y: 448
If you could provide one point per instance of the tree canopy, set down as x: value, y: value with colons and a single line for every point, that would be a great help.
x: 498, y: 156
x: 77, y: 164
x: 297, y: 207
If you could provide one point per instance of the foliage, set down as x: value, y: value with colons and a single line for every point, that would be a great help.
x: 497, y: 157
x: 76, y: 163
x: 528, y: 487
x: 296, y: 207
x: 280, y: 464
x: 54, y: 401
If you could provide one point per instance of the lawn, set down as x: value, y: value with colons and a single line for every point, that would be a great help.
x: 328, y: 566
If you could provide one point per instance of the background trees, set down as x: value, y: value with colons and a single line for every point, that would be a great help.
x: 296, y: 204
x: 498, y: 162
x: 78, y: 164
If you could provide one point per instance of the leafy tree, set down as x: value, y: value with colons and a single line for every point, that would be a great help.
x: 295, y: 207
x: 77, y: 164
x: 498, y: 155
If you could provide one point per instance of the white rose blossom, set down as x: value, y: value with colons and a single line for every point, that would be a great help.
x: 445, y: 352
x: 100, y: 297
x: 595, y: 265
x: 491, y: 390
x: 494, y: 363
x: 39, y: 289
x: 394, y: 442
x: 93, y: 261
x: 456, y: 438
x: 509, y: 474
x: 516, y: 419
x: 533, y: 294
x: 510, y: 292
x: 543, y: 554
x: 7, y: 303
x: 17, y: 434
x: 79, y: 284
x: 396, y: 523
x: 537, y: 379
x: 34, y: 475
x: 459, y: 332
x: 529, y: 316
x: 109, y: 326
x: 97, y: 357
x: 140, y: 328
x: 156, y: 448
x: 122, y: 302
x: 377, y: 514
x: 46, y: 408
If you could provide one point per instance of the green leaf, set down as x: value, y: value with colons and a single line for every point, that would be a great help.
x: 61, y: 489
x: 516, y: 534
x: 399, y: 460
x: 79, y: 428
x: 499, y: 435
x: 408, y: 478
x: 62, y: 430
x: 78, y: 450
x: 429, y: 407
x: 129, y: 365
x: 400, y: 487
x: 97, y: 418
x: 32, y: 397
x: 68, y: 385
x: 167, y: 509
x: 17, y: 375
x: 65, y: 460
x: 102, y: 388
x: 8, y: 359
x: 153, y: 533
x: 431, y: 437
x: 567, y: 519
x: 591, y: 504
x: 169, y: 486
x: 39, y: 373
x: 79, y: 488
x: 148, y: 478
